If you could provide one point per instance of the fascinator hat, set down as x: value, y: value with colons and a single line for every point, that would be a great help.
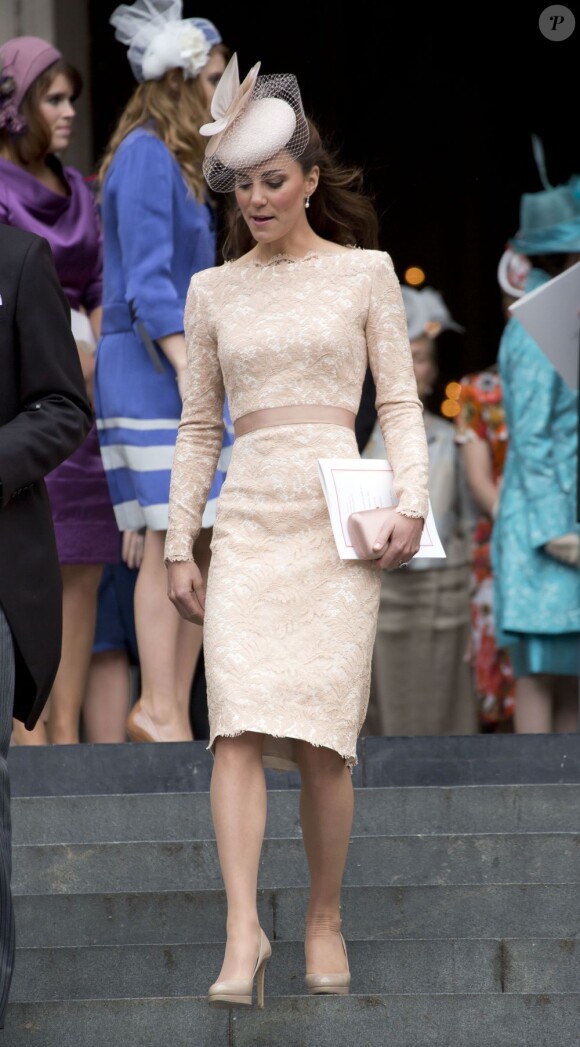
x: 22, y: 60
x: 427, y: 313
x: 253, y: 122
x: 159, y: 39
x: 549, y: 219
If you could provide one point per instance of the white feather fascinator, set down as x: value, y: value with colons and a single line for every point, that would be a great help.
x: 159, y: 39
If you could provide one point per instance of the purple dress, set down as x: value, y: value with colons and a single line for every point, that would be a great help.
x: 86, y: 530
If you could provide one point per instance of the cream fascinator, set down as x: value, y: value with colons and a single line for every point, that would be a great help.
x: 253, y: 121
x: 159, y: 39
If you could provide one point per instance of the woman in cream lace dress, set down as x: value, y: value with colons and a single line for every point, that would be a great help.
x: 287, y: 330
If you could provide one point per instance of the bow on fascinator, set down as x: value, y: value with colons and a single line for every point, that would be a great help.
x: 10, y: 119
x: 228, y: 101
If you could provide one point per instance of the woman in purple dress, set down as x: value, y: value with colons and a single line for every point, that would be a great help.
x: 37, y: 91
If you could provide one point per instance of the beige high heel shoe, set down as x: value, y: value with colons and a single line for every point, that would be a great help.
x: 338, y: 984
x: 236, y: 991
x: 141, y: 728
x: 137, y: 725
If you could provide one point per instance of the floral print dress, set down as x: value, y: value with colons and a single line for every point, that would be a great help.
x: 482, y: 417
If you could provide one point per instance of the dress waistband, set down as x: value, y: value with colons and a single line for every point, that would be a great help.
x: 293, y: 414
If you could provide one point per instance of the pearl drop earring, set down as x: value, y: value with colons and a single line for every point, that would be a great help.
x: 307, y: 202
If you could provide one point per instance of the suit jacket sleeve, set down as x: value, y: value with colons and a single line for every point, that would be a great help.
x: 55, y: 414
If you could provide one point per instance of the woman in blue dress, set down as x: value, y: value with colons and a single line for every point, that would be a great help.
x: 159, y: 228
x: 536, y: 533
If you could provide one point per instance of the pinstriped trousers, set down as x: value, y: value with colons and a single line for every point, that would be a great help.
x: 7, y: 930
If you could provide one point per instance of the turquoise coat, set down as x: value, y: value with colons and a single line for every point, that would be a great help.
x: 533, y: 592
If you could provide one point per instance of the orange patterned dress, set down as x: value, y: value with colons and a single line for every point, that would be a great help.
x: 482, y: 418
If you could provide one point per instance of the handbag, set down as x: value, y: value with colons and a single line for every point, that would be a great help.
x: 363, y: 530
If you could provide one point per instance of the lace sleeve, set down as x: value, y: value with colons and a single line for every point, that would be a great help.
x: 200, y: 431
x: 399, y: 409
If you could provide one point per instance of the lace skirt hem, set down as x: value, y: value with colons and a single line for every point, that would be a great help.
x: 278, y: 753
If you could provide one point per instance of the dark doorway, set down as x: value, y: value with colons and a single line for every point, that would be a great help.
x: 438, y: 107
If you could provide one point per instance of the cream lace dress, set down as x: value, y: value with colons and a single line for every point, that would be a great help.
x: 289, y: 627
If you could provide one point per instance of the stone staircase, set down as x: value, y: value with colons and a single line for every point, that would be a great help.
x: 461, y: 906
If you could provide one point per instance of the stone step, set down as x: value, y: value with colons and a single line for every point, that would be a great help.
x: 380, y: 860
x: 473, y: 1020
x: 457, y: 965
x: 392, y: 810
x: 186, y: 766
x: 373, y: 913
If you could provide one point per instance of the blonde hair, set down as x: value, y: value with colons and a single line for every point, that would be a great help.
x: 177, y: 108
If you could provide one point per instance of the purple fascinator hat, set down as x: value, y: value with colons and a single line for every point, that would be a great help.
x: 22, y: 60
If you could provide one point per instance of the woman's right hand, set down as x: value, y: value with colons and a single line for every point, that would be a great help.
x: 186, y: 590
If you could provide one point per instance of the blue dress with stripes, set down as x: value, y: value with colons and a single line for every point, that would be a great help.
x: 156, y: 235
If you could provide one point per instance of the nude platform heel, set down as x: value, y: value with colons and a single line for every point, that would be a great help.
x: 337, y: 984
x: 239, y: 991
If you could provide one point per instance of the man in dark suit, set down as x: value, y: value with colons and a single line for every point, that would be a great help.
x: 44, y: 416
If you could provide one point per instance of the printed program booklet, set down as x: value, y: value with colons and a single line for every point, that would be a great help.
x: 551, y: 314
x: 353, y: 484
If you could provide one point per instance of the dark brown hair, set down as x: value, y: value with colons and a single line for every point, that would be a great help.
x: 34, y: 143
x: 340, y: 209
x: 555, y: 263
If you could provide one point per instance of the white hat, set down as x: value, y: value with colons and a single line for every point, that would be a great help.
x: 512, y: 271
x: 159, y: 39
x: 253, y: 122
x: 427, y: 313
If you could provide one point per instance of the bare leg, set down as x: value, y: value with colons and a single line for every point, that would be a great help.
x: 168, y: 648
x: 79, y: 604
x: 238, y: 804
x: 566, y: 705
x: 37, y: 736
x: 108, y: 697
x: 326, y: 813
x: 533, y: 705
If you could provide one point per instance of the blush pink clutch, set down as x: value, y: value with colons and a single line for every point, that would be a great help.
x: 363, y: 529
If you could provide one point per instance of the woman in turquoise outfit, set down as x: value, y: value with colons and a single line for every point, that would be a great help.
x: 159, y: 228
x: 536, y: 534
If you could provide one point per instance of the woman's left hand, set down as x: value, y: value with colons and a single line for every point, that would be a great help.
x: 186, y: 590
x: 398, y: 540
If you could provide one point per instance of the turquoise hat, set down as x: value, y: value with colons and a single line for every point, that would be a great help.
x: 549, y: 219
